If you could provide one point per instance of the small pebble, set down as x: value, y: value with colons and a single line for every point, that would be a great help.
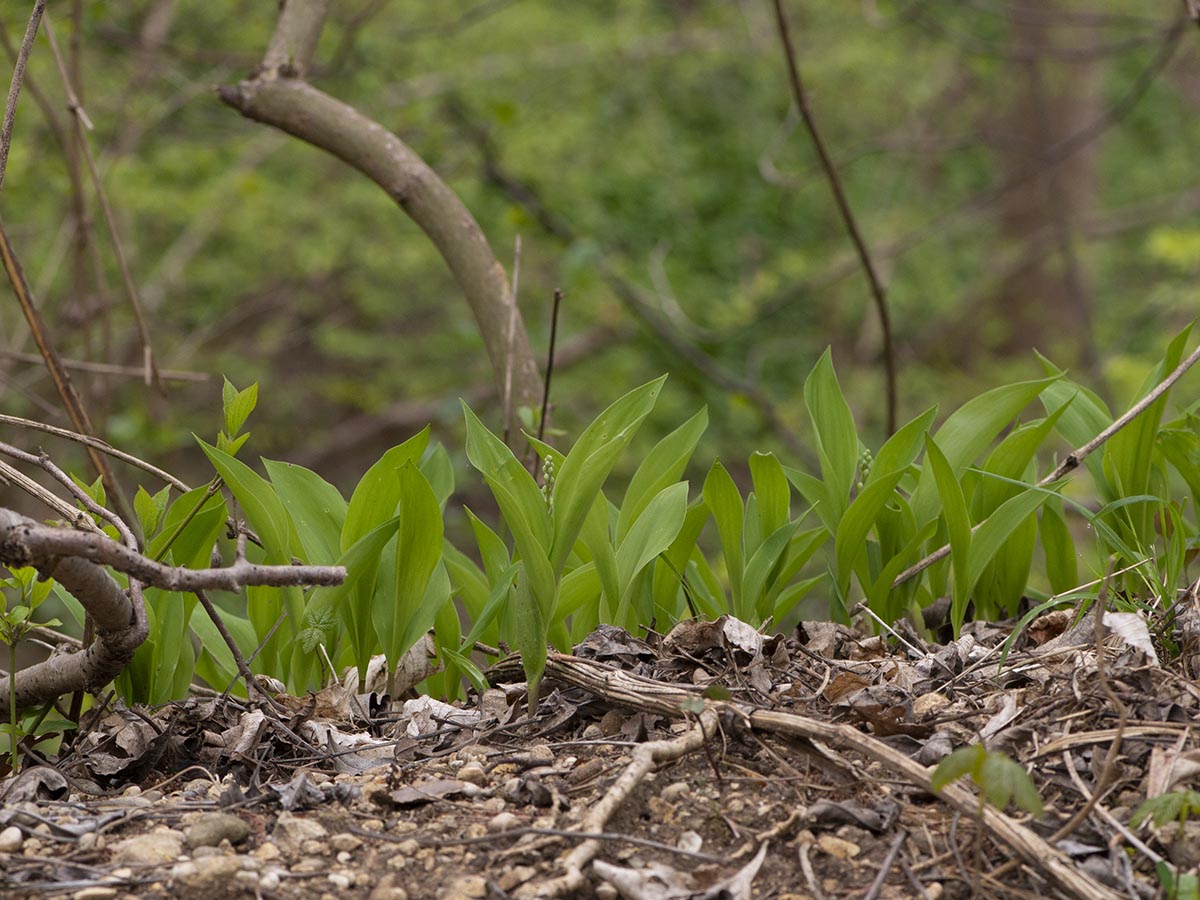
x: 472, y: 773
x: 504, y: 821
x: 11, y: 839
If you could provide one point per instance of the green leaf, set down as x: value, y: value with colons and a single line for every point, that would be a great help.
x: 189, y: 534
x: 663, y: 466
x: 438, y: 469
x: 418, y: 552
x: 588, y: 464
x: 327, y: 604
x: 725, y: 502
x: 958, y: 526
x: 653, y: 532
x: 378, y: 491
x: 992, y: 533
x: 772, y: 491
x: 901, y: 449
x: 316, y: 508
x: 527, y: 629
x: 237, y: 406
x: 494, y: 606
x: 814, y: 493
x: 963, y: 761
x: 756, y: 581
x: 1003, y: 782
x: 1062, y: 567
x: 258, y: 500
x: 521, y: 504
x: 836, y: 435
x: 968, y: 432
x: 492, y: 550
x: 149, y: 509
x: 597, y: 538
x: 859, y: 520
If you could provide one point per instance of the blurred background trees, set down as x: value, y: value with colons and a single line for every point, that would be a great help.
x: 1024, y: 173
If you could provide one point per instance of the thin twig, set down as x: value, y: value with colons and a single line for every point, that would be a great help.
x: 152, y: 375
x: 558, y: 296
x: 62, y: 380
x: 95, y: 368
x: 878, y: 292
x: 1073, y: 459
x: 14, y: 87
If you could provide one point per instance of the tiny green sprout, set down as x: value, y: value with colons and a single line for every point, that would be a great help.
x: 1000, y: 780
x: 693, y: 705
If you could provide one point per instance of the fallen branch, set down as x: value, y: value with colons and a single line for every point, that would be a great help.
x: 634, y: 692
x: 23, y: 542
x: 76, y: 560
x: 644, y: 758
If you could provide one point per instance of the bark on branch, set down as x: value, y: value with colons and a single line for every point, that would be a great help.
x: 76, y: 560
x: 277, y: 95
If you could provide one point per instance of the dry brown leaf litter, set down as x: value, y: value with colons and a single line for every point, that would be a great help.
x: 803, y: 775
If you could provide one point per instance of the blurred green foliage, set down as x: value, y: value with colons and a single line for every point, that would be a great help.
x: 660, y: 130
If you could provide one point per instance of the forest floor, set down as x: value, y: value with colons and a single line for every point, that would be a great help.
x: 805, y: 774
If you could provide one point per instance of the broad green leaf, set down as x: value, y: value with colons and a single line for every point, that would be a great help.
x: 963, y: 761
x: 814, y: 493
x: 900, y: 450
x: 1062, y: 567
x: 258, y: 500
x: 958, y: 526
x: 653, y: 532
x: 755, y: 583
x: 580, y: 588
x: 995, y: 530
x: 378, y: 491
x: 418, y: 552
x: 361, y: 561
x: 836, y: 435
x: 315, y: 506
x: 588, y: 464
x: 1131, y: 450
x: 771, y: 491
x: 596, y: 536
x: 435, y: 598
x: 663, y: 466
x: 1010, y: 460
x: 521, y: 503
x: 492, y: 550
x: 528, y: 632
x: 1003, y: 781
x: 215, y: 664
x: 492, y: 608
x: 725, y: 502
x: 1182, y: 450
x: 859, y: 520
x: 190, y: 529
x: 890, y: 603
x: 789, y: 597
x: 968, y: 432
x: 438, y: 469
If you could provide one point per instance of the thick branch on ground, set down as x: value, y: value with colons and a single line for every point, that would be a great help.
x: 75, y: 560
x: 23, y: 542
x: 277, y: 96
x: 633, y: 692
